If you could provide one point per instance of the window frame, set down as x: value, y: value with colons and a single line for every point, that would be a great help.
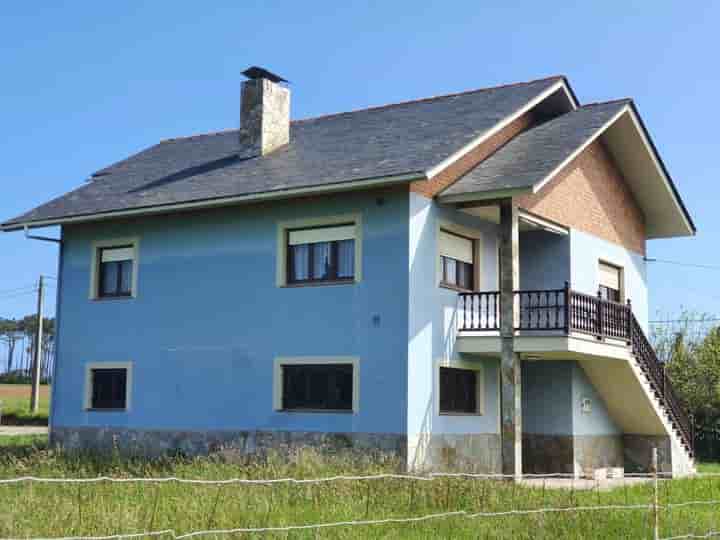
x: 280, y: 362
x: 621, y: 279
x: 283, y: 257
x: 467, y: 233
x: 334, y: 251
x: 90, y: 367
x: 96, y: 259
x: 479, y: 386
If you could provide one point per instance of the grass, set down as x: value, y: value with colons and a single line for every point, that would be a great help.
x: 16, y: 405
x: 32, y: 510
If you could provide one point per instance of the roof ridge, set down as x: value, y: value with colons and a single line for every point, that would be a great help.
x: 379, y: 107
x: 608, y: 102
x: 430, y: 98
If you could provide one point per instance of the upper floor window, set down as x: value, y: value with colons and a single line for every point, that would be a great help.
x: 610, y: 282
x: 457, y: 265
x: 321, y: 254
x: 114, y: 269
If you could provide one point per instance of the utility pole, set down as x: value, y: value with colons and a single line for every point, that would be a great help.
x: 35, y: 392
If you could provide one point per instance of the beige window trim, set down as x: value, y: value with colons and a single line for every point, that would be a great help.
x: 282, y: 242
x: 480, y: 386
x: 95, y: 246
x: 294, y: 360
x: 461, y: 230
x: 90, y: 366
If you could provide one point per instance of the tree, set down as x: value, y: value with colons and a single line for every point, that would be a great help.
x: 9, y: 335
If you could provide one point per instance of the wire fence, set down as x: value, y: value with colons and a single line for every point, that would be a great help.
x: 658, y: 502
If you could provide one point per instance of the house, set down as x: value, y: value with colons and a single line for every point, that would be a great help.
x: 458, y: 280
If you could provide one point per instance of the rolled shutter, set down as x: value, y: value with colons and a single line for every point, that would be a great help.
x: 456, y: 247
x: 609, y: 276
x: 321, y: 234
x: 117, y: 254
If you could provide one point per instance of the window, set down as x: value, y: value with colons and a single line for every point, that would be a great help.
x: 114, y: 269
x: 107, y: 386
x: 610, y: 282
x: 457, y: 261
x: 311, y: 384
x: 321, y: 254
x: 460, y: 391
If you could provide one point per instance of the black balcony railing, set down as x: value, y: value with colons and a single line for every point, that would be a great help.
x: 569, y: 312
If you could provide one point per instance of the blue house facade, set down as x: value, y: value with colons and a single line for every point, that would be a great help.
x: 405, y: 279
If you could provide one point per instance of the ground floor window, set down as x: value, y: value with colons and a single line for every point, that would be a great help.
x: 316, y: 385
x: 460, y: 391
x: 107, y: 386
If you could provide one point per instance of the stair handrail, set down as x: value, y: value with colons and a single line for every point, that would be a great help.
x: 660, y: 382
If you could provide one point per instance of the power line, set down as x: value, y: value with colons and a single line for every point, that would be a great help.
x: 672, y: 321
x: 680, y: 263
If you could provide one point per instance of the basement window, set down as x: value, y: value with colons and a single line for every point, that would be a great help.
x: 313, y: 385
x: 107, y: 387
x: 460, y: 391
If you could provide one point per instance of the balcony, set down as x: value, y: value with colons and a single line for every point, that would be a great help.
x: 557, y: 311
x: 583, y: 326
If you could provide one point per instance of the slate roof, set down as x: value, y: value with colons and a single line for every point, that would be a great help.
x: 531, y: 156
x: 399, y: 139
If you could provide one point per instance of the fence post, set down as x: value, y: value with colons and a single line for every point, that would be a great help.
x: 656, y: 508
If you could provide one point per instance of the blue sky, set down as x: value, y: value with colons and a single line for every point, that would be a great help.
x: 87, y: 83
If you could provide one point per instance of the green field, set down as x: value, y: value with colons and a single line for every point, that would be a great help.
x: 15, y: 400
x: 48, y: 510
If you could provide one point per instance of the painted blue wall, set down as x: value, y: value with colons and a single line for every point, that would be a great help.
x: 587, y: 250
x: 544, y: 260
x: 547, y: 397
x: 596, y: 422
x: 552, y: 394
x: 209, y: 320
x: 432, y: 322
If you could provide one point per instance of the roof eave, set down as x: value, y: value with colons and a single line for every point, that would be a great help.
x: 365, y: 183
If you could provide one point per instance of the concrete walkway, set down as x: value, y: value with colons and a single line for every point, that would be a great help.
x: 6, y: 431
x: 583, y: 483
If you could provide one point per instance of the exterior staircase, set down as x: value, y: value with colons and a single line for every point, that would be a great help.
x: 568, y: 312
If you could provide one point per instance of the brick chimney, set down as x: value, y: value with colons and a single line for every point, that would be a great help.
x: 264, y: 112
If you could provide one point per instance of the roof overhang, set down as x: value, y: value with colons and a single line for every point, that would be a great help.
x: 368, y: 183
x: 633, y: 151
x: 558, y: 97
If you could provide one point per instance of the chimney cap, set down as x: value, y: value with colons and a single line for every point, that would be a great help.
x: 256, y: 72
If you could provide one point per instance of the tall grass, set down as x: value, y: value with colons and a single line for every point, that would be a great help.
x: 47, y: 510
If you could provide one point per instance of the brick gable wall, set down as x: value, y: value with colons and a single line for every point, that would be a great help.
x: 430, y: 188
x: 590, y: 194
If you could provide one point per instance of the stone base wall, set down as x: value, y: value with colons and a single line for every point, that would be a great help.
x: 154, y: 443
x: 638, y: 453
x: 579, y: 455
x: 467, y: 452
x: 594, y: 452
x: 544, y: 454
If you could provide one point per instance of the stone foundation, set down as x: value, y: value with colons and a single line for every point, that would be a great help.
x: 579, y: 455
x: 638, y: 453
x: 155, y: 443
x: 594, y: 452
x: 467, y: 452
x: 544, y: 454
